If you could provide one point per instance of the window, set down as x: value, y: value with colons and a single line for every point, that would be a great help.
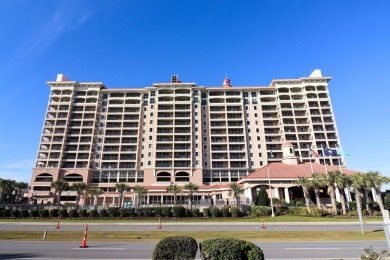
x: 100, y: 132
x: 196, y: 106
x: 196, y: 145
x: 254, y: 107
x: 204, y: 123
x: 150, y: 130
x: 196, y: 154
x: 203, y: 108
x: 205, y: 164
x: 257, y: 130
x: 204, y: 115
x: 97, y: 156
x: 144, y: 109
x: 250, y: 147
x: 196, y: 137
x: 254, y: 94
x: 259, y: 146
x: 260, y: 155
x: 101, y: 124
x: 205, y: 147
x: 150, y: 146
x: 196, y: 162
x: 258, y: 138
x: 252, y: 163
x: 151, y: 122
x: 101, y: 116
x: 196, y: 121
x: 143, y: 131
x: 261, y: 163
x: 96, y: 164
x: 149, y: 163
x: 196, y: 113
x: 150, y: 138
x: 249, y: 130
x: 255, y: 114
x: 143, y: 139
x: 204, y: 138
x: 205, y: 155
x: 257, y: 122
x: 99, y: 140
x: 250, y: 138
x: 99, y: 148
x: 149, y: 154
x: 142, y: 164
x: 204, y: 130
x: 142, y: 155
x: 251, y: 155
x: 196, y: 129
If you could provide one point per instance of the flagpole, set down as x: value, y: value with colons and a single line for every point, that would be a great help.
x: 311, y: 165
x: 323, y: 154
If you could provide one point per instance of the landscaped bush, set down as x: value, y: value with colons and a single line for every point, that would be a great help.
x: 53, y: 213
x: 262, y: 198
x: 299, y: 211
x: 73, y: 213
x: 7, y: 213
x: 166, y: 211
x: 148, y: 212
x: 63, y: 213
x: 235, y: 212
x: 15, y: 213
x: 284, y: 202
x: 260, y: 211
x: 206, y: 212
x: 230, y: 248
x: 299, y: 204
x: 178, y: 211
x: 34, y: 213
x: 187, y: 212
x: 103, y: 213
x: 373, y: 205
x: 44, y: 213
x: 113, y: 211
x: 131, y: 212
x: 352, y: 205
x: 214, y: 212
x: 24, y: 213
x: 157, y: 211
x: 1, y: 212
x: 83, y: 213
x: 195, y: 212
x: 140, y: 212
x: 123, y: 212
x: 316, y: 212
x: 225, y: 212
x: 176, y: 248
x: 93, y: 213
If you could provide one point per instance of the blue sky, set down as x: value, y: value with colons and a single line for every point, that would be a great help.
x: 136, y: 43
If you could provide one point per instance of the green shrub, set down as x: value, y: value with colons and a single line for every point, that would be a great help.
x: 262, y: 198
x: 175, y: 248
x: 83, y: 213
x: 140, y: 212
x: 93, y: 213
x: 113, y: 211
x: 225, y: 212
x: 7, y: 213
x: 187, y: 212
x: 1, y: 211
x: 214, y: 212
x: 260, y: 211
x: 206, y: 212
x: 73, y: 213
x: 24, y: 213
x: 275, y: 201
x: 284, y: 202
x: 299, y: 211
x: 166, y: 211
x: 178, y: 211
x: 373, y: 205
x: 123, y: 212
x: 386, y: 201
x: 157, y: 211
x: 352, y: 205
x: 15, y: 213
x: 131, y: 212
x: 195, y: 212
x: 103, y: 213
x: 44, y: 213
x: 53, y: 213
x: 63, y: 213
x: 316, y: 212
x: 235, y: 212
x: 34, y: 213
x: 148, y: 212
x: 230, y: 248
x: 299, y: 204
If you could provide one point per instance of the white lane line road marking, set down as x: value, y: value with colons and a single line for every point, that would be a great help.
x: 99, y: 248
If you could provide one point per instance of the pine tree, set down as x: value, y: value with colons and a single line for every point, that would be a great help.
x: 262, y: 198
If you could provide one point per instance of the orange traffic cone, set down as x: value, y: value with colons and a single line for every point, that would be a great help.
x: 159, y: 223
x: 58, y: 223
x: 84, y: 242
x: 262, y: 223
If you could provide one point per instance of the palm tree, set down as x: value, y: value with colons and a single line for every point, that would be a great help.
x: 191, y: 188
x: 79, y: 187
x: 122, y: 188
x: 329, y: 180
x: 236, y: 191
x: 316, y: 184
x: 59, y: 186
x: 341, y: 182
x: 6, y: 188
x: 140, y: 191
x: 19, y: 187
x: 94, y: 192
x: 376, y: 182
x: 357, y: 182
x: 305, y: 184
x: 173, y: 188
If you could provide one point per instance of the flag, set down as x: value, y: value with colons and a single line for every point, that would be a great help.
x: 330, y: 152
x: 313, y: 153
x: 342, y: 153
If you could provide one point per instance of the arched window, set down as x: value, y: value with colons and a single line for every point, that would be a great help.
x: 163, y: 177
x: 73, y: 177
x: 44, y: 177
x: 182, y: 177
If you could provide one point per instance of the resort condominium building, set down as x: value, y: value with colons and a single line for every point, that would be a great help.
x: 179, y: 132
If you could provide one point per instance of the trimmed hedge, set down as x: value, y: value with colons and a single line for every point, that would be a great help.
x: 63, y: 213
x: 93, y: 213
x: 83, y: 213
x: 206, y: 212
x: 53, y: 213
x: 235, y: 212
x: 230, y: 248
x: 214, y: 212
x: 103, y: 213
x: 123, y: 212
x: 7, y: 213
x: 195, y: 212
x: 73, y: 213
x: 260, y: 211
x: 225, y: 212
x: 176, y: 248
x: 44, y: 213
x: 166, y: 211
x: 15, y: 213
x: 34, y: 213
x: 157, y: 211
x: 24, y: 213
x: 113, y: 211
x: 178, y: 211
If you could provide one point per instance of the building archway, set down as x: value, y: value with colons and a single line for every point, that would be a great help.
x: 73, y: 177
x: 182, y: 177
x: 44, y: 177
x: 163, y: 177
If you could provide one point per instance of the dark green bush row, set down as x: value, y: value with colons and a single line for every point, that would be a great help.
x: 175, y: 248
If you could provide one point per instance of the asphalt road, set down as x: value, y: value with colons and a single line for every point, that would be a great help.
x: 127, y: 250
x: 182, y: 226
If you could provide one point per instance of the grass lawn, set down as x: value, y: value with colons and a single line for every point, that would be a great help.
x: 148, y: 236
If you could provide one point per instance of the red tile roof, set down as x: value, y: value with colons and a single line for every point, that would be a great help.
x: 279, y: 170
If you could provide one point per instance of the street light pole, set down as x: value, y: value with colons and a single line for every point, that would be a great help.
x: 269, y: 185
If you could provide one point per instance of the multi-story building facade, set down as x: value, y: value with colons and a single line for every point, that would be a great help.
x: 178, y: 132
